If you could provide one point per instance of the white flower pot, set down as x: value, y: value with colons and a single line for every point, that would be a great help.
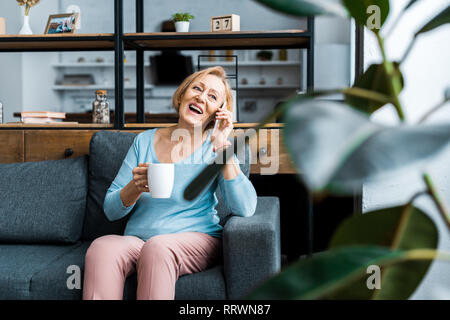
x: 26, y: 29
x: 182, y: 26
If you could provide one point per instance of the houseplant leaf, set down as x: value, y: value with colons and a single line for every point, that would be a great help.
x: 442, y: 18
x: 403, y: 227
x: 358, y: 10
x: 375, y: 79
x: 306, y: 7
x: 410, y: 4
x: 327, y: 272
x: 338, y: 148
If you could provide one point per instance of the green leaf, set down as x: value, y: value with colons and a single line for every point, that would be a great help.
x: 337, y: 148
x: 359, y: 11
x: 410, y: 4
x: 326, y: 273
x: 306, y: 7
x: 374, y: 79
x: 200, y: 182
x: 389, y: 228
x: 203, y: 180
x: 441, y: 19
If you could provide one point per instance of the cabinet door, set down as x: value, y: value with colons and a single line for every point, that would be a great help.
x: 43, y: 145
x: 11, y: 146
x: 269, y: 155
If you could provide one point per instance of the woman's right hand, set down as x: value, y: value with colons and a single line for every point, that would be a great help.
x: 140, y: 178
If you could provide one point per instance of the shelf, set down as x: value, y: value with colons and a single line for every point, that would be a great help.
x: 235, y: 125
x: 267, y: 87
x: 157, y: 41
x: 21, y: 125
x: 92, y: 65
x: 148, y: 87
x: 218, y: 40
x: 251, y: 63
x: 94, y: 87
x: 203, y: 63
x: 53, y: 42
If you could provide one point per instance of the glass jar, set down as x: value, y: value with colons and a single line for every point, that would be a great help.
x: 100, y: 108
x: 1, y: 112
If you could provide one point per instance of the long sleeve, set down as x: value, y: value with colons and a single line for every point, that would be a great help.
x: 238, y: 194
x: 113, y: 205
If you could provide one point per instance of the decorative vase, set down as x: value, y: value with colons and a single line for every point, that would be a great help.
x: 182, y: 26
x: 26, y: 26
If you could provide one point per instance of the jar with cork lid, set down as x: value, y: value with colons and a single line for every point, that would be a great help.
x: 100, y: 108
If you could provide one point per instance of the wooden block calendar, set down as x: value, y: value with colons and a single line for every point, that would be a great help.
x: 230, y: 22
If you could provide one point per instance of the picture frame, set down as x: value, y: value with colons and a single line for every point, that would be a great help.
x: 62, y: 23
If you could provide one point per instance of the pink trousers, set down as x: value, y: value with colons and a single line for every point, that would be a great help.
x: 158, y: 262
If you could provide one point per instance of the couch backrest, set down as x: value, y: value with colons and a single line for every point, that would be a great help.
x: 107, y: 152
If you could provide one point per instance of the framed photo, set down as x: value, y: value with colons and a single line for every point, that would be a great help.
x: 61, y: 23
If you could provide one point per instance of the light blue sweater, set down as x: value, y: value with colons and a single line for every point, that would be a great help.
x: 152, y: 216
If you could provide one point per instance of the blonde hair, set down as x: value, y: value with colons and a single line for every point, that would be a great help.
x: 216, y: 71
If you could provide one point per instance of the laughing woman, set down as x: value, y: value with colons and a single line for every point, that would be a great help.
x: 167, y: 238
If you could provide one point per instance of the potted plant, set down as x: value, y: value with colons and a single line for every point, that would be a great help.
x: 264, y: 55
x: 338, y: 148
x: 26, y: 29
x: 181, y: 20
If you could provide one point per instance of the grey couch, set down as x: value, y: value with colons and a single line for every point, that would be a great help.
x: 51, y: 211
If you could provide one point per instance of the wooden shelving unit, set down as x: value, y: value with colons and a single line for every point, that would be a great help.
x: 218, y: 40
x: 52, y: 42
x: 141, y: 41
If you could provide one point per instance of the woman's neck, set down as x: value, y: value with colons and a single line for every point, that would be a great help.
x: 197, y: 134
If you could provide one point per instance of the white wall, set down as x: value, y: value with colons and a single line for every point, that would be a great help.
x: 426, y: 74
x: 332, y: 53
x: 10, y: 66
x: 26, y: 78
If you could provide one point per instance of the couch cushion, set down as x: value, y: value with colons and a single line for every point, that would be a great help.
x: 50, y: 283
x: 22, y: 265
x: 43, y: 201
x: 107, y: 152
x: 205, y: 285
x: 40, y: 272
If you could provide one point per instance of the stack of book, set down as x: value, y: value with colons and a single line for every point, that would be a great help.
x: 42, y: 117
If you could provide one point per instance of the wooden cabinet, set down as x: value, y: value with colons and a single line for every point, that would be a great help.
x: 56, y: 144
x: 11, y: 146
x: 269, y: 155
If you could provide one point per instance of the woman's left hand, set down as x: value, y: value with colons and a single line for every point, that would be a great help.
x: 224, y: 127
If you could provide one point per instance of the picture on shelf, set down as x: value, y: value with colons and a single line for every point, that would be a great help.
x: 61, y: 23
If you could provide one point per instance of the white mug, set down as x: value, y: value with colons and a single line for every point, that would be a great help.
x: 160, y: 179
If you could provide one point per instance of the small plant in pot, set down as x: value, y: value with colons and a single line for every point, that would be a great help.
x: 181, y: 20
x: 264, y: 55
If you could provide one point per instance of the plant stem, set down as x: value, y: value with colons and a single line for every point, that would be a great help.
x: 393, y: 80
x: 437, y: 199
x: 27, y: 9
x: 401, y: 228
x: 434, y: 109
x: 408, y: 50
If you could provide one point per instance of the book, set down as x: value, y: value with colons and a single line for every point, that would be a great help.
x: 58, y: 123
x: 43, y: 114
x: 40, y: 120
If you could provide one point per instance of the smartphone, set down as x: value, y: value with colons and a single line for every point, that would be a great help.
x: 217, y: 121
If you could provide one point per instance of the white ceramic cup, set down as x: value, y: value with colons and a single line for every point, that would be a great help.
x: 160, y: 179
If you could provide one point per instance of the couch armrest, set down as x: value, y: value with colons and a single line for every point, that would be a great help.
x: 252, y: 248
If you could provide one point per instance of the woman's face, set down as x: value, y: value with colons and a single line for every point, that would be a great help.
x: 201, y: 100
